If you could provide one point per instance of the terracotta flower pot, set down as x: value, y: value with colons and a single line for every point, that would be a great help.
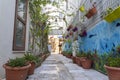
x: 113, y: 72
x: 16, y: 73
x: 68, y: 56
x: 88, y: 15
x: 74, y: 59
x: 118, y: 50
x: 31, y: 69
x: 93, y: 11
x: 86, y: 63
x: 78, y: 61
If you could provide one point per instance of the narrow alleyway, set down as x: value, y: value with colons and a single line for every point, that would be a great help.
x: 58, y: 67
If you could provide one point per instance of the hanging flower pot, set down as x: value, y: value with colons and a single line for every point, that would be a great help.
x: 67, y: 36
x: 71, y: 33
x: 70, y: 27
x: 93, y: 11
x: 88, y: 15
x: 82, y: 8
x: 74, y: 29
x: 83, y: 33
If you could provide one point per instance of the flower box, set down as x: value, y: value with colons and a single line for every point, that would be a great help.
x: 113, y: 15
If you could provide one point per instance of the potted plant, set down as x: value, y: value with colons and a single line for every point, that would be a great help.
x: 118, y: 48
x: 16, y: 69
x: 113, y: 68
x: 86, y: 61
x: 78, y: 58
x: 93, y: 10
x: 69, y: 54
x: 30, y: 58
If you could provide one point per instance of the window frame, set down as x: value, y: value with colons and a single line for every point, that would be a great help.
x: 24, y: 22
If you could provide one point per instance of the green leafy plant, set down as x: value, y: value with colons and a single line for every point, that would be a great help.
x: 69, y: 52
x: 31, y: 58
x: 17, y: 62
x: 113, y: 62
x: 118, y: 48
x: 81, y: 54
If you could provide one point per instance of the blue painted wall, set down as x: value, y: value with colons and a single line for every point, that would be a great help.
x: 103, y: 37
x: 67, y: 46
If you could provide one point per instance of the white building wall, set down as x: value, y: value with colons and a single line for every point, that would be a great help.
x: 73, y: 7
x: 7, y: 14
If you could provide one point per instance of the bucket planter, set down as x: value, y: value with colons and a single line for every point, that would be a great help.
x: 113, y: 15
x: 113, y: 68
x: 16, y: 69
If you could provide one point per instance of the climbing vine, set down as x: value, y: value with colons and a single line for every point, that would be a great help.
x: 39, y: 28
x: 40, y: 23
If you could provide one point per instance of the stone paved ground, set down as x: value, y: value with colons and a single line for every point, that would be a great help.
x: 58, y: 67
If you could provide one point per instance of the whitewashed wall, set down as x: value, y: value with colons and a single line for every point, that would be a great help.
x: 73, y: 6
x: 7, y: 13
